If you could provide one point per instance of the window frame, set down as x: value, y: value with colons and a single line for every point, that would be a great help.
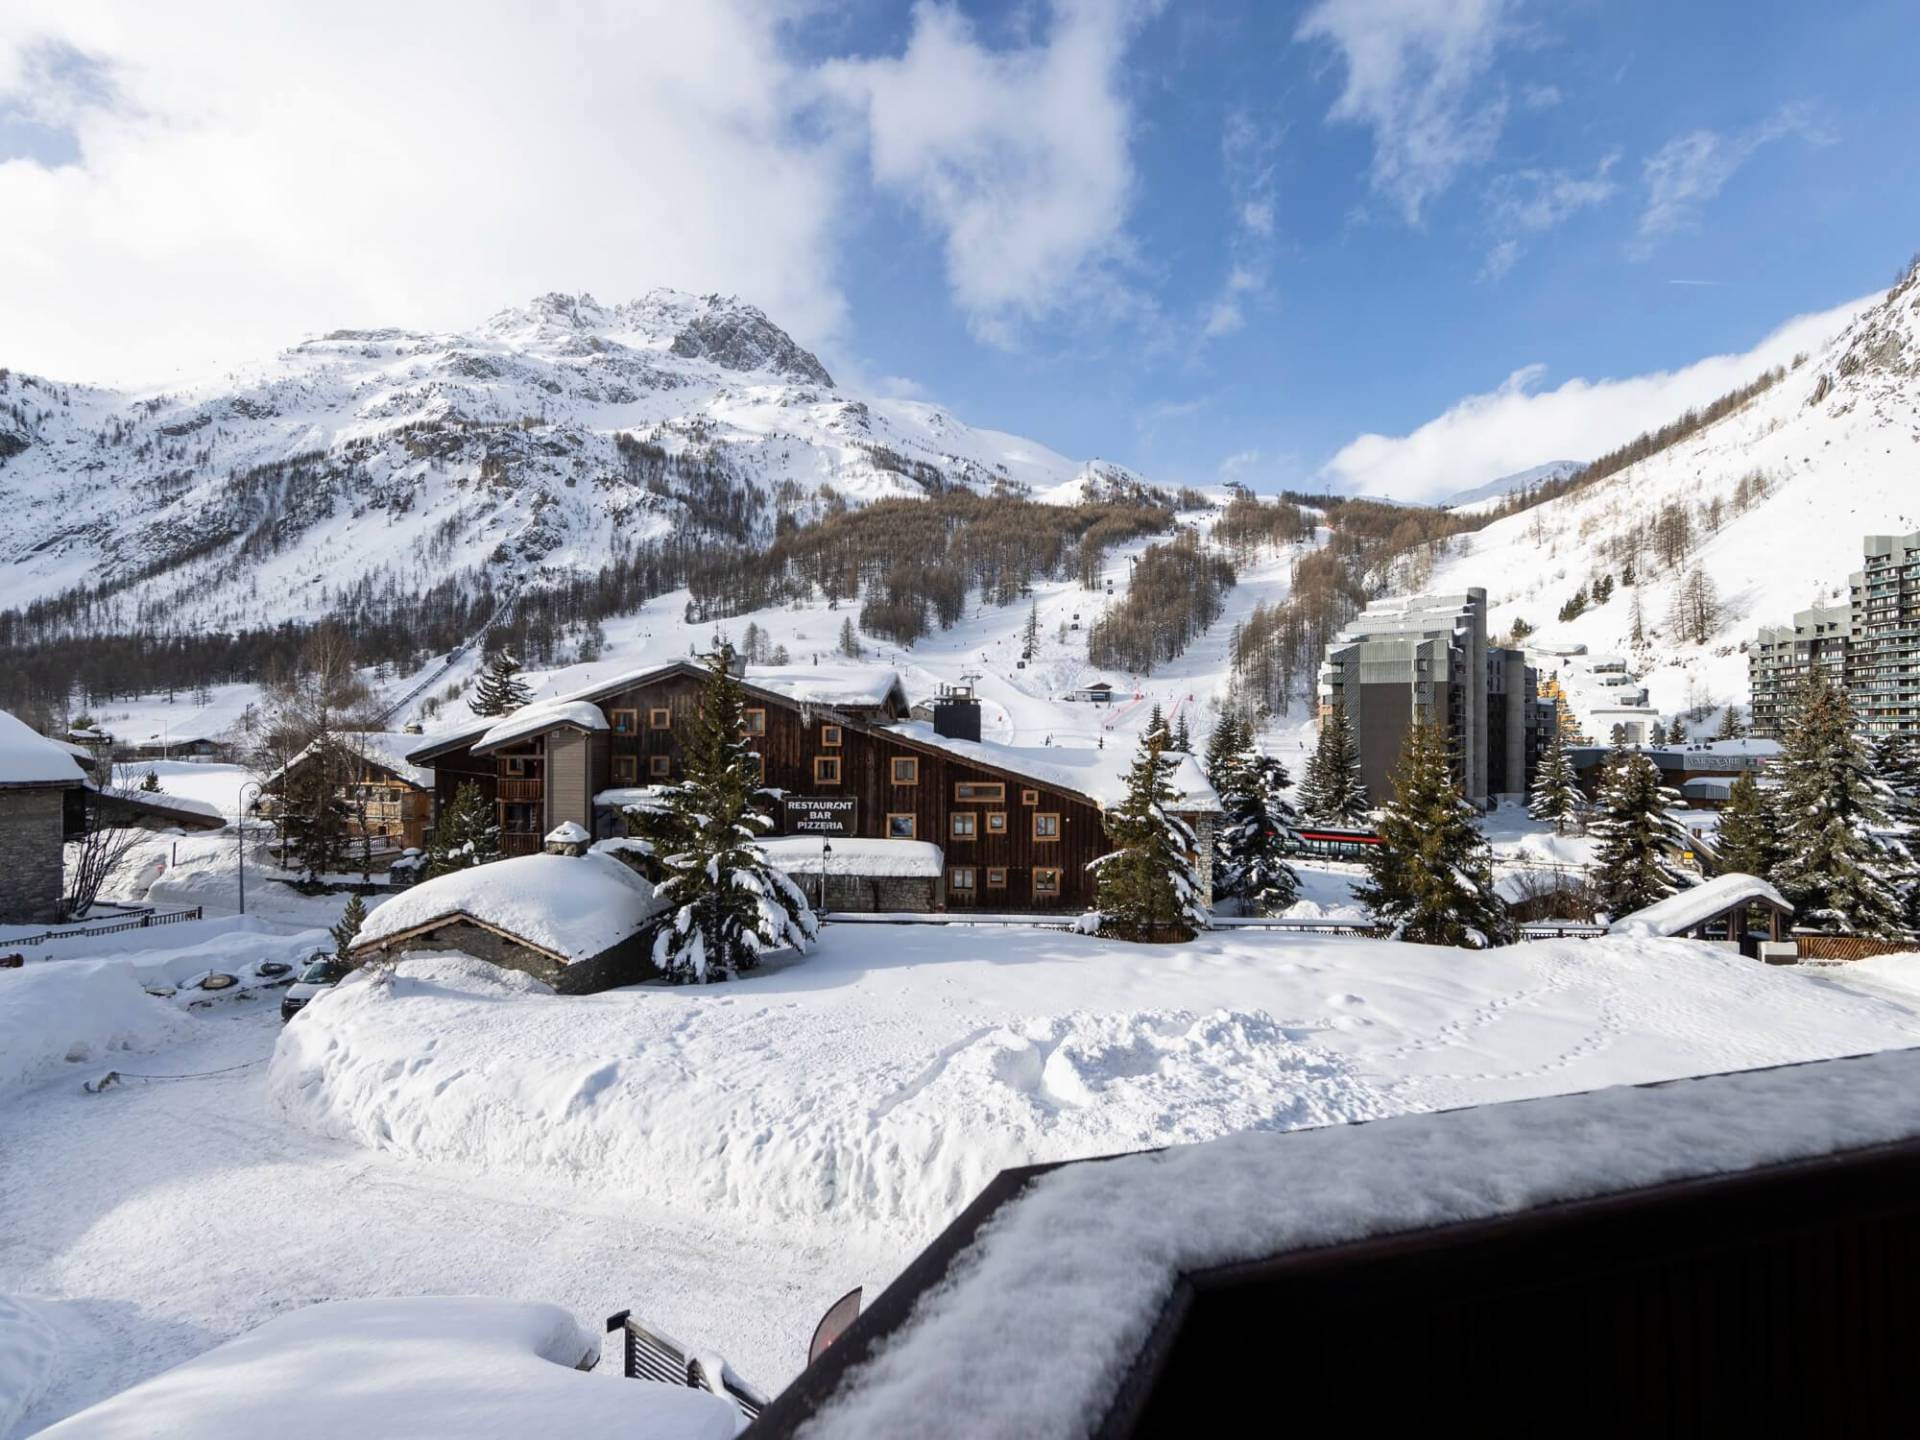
x: 1029, y: 797
x: 998, y: 787
x: 513, y: 767
x: 1001, y: 883
x: 839, y: 770
x: 1039, y: 838
x: 626, y: 769
x: 660, y: 717
x: 632, y: 727
x: 753, y: 720
x: 913, y: 824
x: 972, y: 872
x: 659, y: 767
x: 971, y: 818
x: 831, y: 736
x: 893, y: 769
x: 999, y: 829
x: 1059, y: 880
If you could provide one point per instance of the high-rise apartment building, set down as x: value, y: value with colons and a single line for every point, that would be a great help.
x: 1781, y: 656
x: 1883, y: 653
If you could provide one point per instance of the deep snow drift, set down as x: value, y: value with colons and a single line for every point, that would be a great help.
x: 884, y: 1079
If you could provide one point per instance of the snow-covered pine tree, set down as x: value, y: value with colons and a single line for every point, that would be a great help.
x: 1030, y: 635
x: 314, y: 816
x: 347, y: 927
x: 1677, y: 731
x: 1896, y: 766
x: 499, y: 690
x: 1181, y: 739
x: 729, y: 902
x: 1331, y: 791
x: 1747, y: 840
x: 1730, y: 726
x: 1657, y: 735
x: 1556, y: 788
x: 850, y: 645
x: 1258, y: 832
x: 1637, y: 859
x: 467, y: 833
x: 1148, y: 886
x: 1431, y: 876
x: 1841, y: 876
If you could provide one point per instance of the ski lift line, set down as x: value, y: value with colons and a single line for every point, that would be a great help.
x: 501, y: 612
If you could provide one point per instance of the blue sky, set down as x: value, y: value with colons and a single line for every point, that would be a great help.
x: 1209, y: 241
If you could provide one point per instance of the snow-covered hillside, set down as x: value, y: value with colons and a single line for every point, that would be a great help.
x: 386, y: 461
x: 1829, y: 453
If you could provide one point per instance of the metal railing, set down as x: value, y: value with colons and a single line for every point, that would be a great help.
x: 143, y: 922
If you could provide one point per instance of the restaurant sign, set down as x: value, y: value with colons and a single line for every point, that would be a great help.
x: 821, y: 814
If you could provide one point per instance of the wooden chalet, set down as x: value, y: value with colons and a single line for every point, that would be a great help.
x: 1016, y: 827
x: 387, y: 798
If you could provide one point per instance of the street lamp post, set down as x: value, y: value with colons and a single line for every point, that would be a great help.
x: 826, y: 854
x: 240, y: 818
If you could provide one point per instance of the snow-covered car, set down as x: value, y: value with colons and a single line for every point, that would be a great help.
x: 323, y: 972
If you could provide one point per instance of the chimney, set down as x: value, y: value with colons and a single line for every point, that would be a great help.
x: 956, y: 713
x: 567, y: 838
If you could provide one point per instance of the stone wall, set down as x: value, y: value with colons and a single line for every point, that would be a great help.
x: 32, y: 827
x: 625, y: 964
x: 860, y: 894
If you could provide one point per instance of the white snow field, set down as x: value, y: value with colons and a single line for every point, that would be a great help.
x: 457, y: 1365
x: 728, y: 1159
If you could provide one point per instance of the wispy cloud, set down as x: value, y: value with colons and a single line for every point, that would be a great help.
x: 1247, y: 149
x: 1529, y: 203
x: 1691, y: 169
x: 1018, y: 157
x: 1413, y: 73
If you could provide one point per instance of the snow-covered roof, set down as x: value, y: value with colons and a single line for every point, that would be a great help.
x: 1100, y: 775
x: 800, y: 855
x: 568, y: 832
x: 158, y: 804
x: 848, y: 686
x: 1677, y: 914
x: 1122, y: 1231
x: 539, y: 717
x: 571, y: 906
x: 384, y: 748
x: 480, y: 1368
x: 29, y: 758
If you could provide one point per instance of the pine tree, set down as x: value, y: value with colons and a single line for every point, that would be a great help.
x: 1747, y: 841
x: 1030, y: 635
x: 313, y: 815
x: 729, y: 902
x: 150, y: 783
x: 466, y: 834
x: 1556, y: 787
x: 1730, y: 726
x: 1841, y: 876
x: 1331, y: 791
x: 1431, y: 876
x: 1636, y: 860
x: 1677, y: 732
x: 499, y: 690
x: 1226, y: 754
x: 347, y: 927
x: 1896, y: 766
x: 1148, y: 885
x: 1180, y: 740
x: 1258, y: 831
x: 1658, y: 734
x: 850, y: 645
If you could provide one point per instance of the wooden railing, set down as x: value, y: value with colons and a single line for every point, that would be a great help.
x: 521, y: 791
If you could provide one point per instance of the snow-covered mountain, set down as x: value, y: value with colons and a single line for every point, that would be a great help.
x: 1776, y: 495
x: 1490, y: 494
x: 385, y: 461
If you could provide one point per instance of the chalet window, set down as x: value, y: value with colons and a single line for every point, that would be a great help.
x: 659, y: 718
x: 520, y: 819
x: 753, y: 722
x: 513, y: 765
x: 900, y: 827
x: 963, y: 825
x: 1046, y: 884
x: 625, y: 722
x: 906, y: 770
x: 660, y: 767
x: 1046, y: 825
x: 626, y: 768
x: 996, y: 822
x: 962, y: 878
x: 1029, y: 797
x: 997, y: 878
x: 826, y: 769
x: 829, y: 735
x: 980, y: 790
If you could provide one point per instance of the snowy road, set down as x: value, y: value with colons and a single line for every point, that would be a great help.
x: 163, y: 1218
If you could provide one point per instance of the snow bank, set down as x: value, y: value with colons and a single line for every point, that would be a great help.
x: 481, y: 1369
x: 1060, y: 1291
x: 27, y: 1350
x: 573, y: 906
x: 57, y: 1016
x: 637, y: 1092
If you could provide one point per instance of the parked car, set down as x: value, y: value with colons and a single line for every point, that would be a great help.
x: 323, y: 972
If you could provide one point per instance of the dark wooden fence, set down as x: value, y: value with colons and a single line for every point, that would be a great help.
x: 1849, y: 947
x: 141, y: 922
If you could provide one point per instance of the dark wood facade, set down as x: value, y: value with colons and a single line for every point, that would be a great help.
x: 1010, y: 842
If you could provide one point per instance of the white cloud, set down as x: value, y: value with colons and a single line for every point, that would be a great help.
x: 1247, y: 151
x: 1540, y: 97
x: 1018, y: 157
x: 1691, y: 169
x: 261, y: 171
x: 1532, y: 202
x: 1483, y: 437
x: 1413, y: 77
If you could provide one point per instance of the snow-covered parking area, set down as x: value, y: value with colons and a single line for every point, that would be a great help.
x: 728, y: 1159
